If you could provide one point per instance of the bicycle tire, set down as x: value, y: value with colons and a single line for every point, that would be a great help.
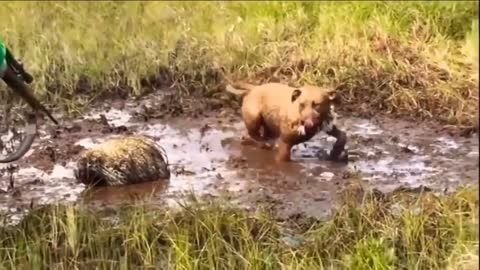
x: 31, y: 129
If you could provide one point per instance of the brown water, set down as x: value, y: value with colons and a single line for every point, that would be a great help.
x: 209, y: 160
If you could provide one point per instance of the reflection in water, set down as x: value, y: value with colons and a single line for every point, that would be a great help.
x: 122, y: 194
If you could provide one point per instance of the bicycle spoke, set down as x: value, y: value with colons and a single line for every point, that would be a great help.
x: 12, y: 127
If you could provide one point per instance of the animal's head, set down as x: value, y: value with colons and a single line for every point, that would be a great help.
x: 312, y: 103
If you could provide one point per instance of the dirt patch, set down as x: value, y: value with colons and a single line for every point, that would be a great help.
x: 208, y: 158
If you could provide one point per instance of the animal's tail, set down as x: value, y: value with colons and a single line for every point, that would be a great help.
x: 239, y: 88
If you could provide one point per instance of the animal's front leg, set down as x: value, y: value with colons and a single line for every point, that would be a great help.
x: 338, y: 152
x: 256, y: 131
x: 283, y: 151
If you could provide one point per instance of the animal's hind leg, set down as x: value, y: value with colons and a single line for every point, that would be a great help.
x: 268, y: 138
x: 257, y: 131
x: 254, y: 129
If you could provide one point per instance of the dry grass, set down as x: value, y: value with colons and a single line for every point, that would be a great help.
x: 410, y: 58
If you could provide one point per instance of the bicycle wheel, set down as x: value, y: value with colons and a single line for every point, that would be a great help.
x: 18, y: 129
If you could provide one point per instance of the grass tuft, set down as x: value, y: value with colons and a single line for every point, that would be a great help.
x: 402, y: 230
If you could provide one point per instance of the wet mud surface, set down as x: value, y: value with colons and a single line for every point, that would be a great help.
x: 208, y: 158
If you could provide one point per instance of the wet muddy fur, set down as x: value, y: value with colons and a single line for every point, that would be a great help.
x: 269, y: 114
x: 122, y: 161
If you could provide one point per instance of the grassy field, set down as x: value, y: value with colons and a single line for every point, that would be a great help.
x: 400, y: 231
x: 410, y: 58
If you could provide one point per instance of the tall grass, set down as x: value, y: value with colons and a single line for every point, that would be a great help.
x: 408, y: 58
x: 400, y: 231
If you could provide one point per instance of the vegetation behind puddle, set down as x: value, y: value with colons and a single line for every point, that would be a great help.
x: 410, y: 58
x: 402, y: 231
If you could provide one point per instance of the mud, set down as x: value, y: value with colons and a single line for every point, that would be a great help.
x: 208, y: 159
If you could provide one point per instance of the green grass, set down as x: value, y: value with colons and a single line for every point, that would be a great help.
x: 396, y: 231
x: 410, y: 58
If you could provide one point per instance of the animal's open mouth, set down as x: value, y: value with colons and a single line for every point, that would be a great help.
x: 307, y: 123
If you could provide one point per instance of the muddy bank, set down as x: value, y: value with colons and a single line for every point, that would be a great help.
x: 208, y: 159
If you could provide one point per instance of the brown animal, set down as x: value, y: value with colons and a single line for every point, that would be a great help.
x: 293, y: 115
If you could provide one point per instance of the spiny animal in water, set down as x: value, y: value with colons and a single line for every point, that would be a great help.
x: 122, y: 161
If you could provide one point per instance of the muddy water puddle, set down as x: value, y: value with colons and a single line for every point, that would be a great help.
x: 208, y: 159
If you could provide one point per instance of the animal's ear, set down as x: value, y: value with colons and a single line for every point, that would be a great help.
x: 295, y: 94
